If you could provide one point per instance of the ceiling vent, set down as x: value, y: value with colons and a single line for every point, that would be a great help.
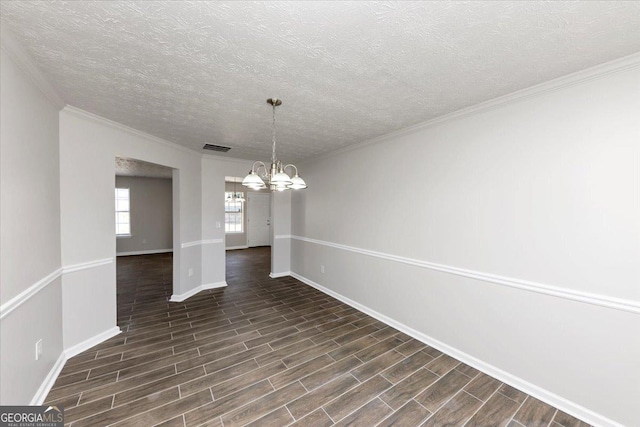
x: 216, y: 148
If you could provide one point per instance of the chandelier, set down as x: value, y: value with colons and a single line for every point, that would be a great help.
x: 275, y: 176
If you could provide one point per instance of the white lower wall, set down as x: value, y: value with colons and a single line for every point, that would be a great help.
x: 541, y: 187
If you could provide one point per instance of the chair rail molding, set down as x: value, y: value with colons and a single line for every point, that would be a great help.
x: 628, y: 305
x: 25, y: 295
x: 86, y: 265
x: 201, y: 242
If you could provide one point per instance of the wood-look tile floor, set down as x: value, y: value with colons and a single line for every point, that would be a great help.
x: 271, y: 352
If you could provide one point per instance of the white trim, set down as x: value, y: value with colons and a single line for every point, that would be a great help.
x: 283, y: 236
x: 525, y: 285
x: 201, y: 242
x: 25, y: 62
x: 233, y: 248
x: 67, y: 354
x: 226, y: 158
x: 48, y: 382
x: 622, y: 64
x: 276, y: 275
x: 86, y: 265
x: 190, y: 244
x: 88, y: 343
x: 211, y: 241
x: 148, y: 252
x: 192, y: 292
x: 85, y: 114
x: 24, y: 296
x: 546, y: 396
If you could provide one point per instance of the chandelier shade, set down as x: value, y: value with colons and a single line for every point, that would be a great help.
x: 275, y: 176
x: 297, y: 183
x: 252, y: 180
x: 281, y: 178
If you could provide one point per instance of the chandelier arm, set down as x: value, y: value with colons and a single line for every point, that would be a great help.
x: 274, y: 176
x: 291, y: 165
x: 260, y: 165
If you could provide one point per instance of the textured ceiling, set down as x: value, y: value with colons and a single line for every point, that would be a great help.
x: 132, y: 167
x: 200, y: 72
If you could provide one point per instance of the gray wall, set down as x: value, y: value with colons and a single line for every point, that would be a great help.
x: 506, y: 236
x: 88, y: 146
x: 151, y: 216
x: 57, y: 232
x: 214, y: 170
x: 518, y: 252
x: 29, y: 231
x: 281, y: 229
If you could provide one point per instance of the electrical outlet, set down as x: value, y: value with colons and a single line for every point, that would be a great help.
x: 39, y: 349
x: 190, y: 272
x: 144, y: 241
x: 322, y: 269
x: 218, y: 224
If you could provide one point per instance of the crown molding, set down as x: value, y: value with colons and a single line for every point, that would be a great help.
x: 226, y: 159
x: 119, y: 126
x: 625, y: 63
x: 25, y: 62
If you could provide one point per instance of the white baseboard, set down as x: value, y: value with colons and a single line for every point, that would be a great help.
x: 192, y: 292
x: 276, y: 275
x: 233, y: 248
x: 48, y: 382
x: 67, y: 354
x: 149, y: 252
x: 553, y: 399
x: 94, y: 340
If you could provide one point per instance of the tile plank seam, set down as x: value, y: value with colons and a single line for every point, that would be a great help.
x: 280, y: 322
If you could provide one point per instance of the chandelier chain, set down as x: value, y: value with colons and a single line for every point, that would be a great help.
x: 273, y: 139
